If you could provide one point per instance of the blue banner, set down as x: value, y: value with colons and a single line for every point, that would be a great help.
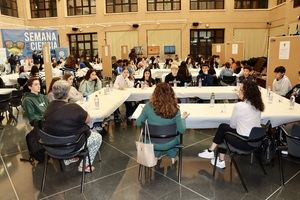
x: 24, y: 42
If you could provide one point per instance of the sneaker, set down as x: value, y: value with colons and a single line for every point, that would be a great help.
x: 206, y: 154
x: 220, y: 163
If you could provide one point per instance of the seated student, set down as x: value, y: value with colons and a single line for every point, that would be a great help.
x: 172, y: 76
x: 295, y: 91
x: 147, y: 79
x: 56, y: 72
x: 206, y: 78
x: 22, y: 73
x: 50, y: 93
x: 67, y: 119
x: 34, y: 103
x: 246, y: 74
x: 91, y: 83
x: 184, y: 74
x: 238, y: 67
x: 119, y: 67
x: 226, y: 71
x: 74, y: 95
x: 281, y: 84
x: 123, y: 81
x: 246, y: 115
x: 190, y: 63
x: 168, y: 63
x: 164, y: 110
x: 153, y: 64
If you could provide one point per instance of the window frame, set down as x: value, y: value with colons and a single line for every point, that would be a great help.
x: 83, y: 42
x: 122, y: 4
x: 73, y: 11
x: 42, y: 12
x: 163, y: 2
x: 7, y: 8
x: 296, y: 3
x: 207, y: 1
x: 252, y: 3
x: 195, y: 47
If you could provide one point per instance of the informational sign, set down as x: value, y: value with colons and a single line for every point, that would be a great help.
x: 24, y: 42
x: 234, y: 48
x: 3, y: 56
x: 218, y: 48
x: 284, y: 50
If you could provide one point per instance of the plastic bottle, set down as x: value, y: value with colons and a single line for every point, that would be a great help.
x: 107, y: 88
x: 292, y: 102
x: 270, y: 97
x: 238, y: 82
x: 185, y: 84
x: 200, y: 82
x: 175, y: 83
x: 212, y: 100
x: 111, y: 86
x: 96, y: 100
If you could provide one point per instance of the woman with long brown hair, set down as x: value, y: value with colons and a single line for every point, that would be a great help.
x: 164, y: 110
x: 246, y: 114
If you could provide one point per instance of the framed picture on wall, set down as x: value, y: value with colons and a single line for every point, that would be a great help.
x: 170, y: 49
x: 153, y: 50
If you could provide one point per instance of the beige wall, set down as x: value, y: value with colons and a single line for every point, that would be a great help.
x: 229, y: 19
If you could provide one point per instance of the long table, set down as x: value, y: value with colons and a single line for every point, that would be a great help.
x: 108, y: 103
x: 221, y: 92
x: 201, y: 115
x: 205, y: 116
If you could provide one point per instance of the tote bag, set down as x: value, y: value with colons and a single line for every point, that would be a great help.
x: 145, y: 151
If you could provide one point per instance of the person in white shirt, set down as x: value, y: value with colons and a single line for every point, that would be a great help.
x: 56, y: 72
x: 124, y: 80
x: 246, y: 115
x: 281, y: 84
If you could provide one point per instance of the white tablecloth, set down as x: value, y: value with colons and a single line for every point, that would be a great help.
x: 108, y: 104
x: 10, y: 79
x: 204, y: 116
x: 221, y: 92
x: 6, y: 90
x: 161, y: 73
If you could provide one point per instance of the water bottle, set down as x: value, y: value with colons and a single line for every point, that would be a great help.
x: 292, y: 102
x: 185, y: 84
x: 175, y: 83
x: 107, y: 88
x: 270, y: 97
x: 212, y: 100
x: 268, y: 91
x: 142, y: 85
x: 111, y: 86
x: 200, y: 82
x: 96, y: 100
x: 237, y: 82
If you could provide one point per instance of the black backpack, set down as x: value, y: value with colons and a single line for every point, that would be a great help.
x: 36, y: 150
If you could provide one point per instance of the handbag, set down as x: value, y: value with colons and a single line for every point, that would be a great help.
x: 145, y: 149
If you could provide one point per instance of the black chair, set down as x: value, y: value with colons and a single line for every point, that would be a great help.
x: 228, y: 80
x: 5, y: 104
x: 160, y: 134
x: 63, y: 148
x: 293, y: 147
x: 16, y: 99
x: 246, y: 146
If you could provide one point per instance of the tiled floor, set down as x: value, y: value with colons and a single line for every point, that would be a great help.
x: 116, y: 176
